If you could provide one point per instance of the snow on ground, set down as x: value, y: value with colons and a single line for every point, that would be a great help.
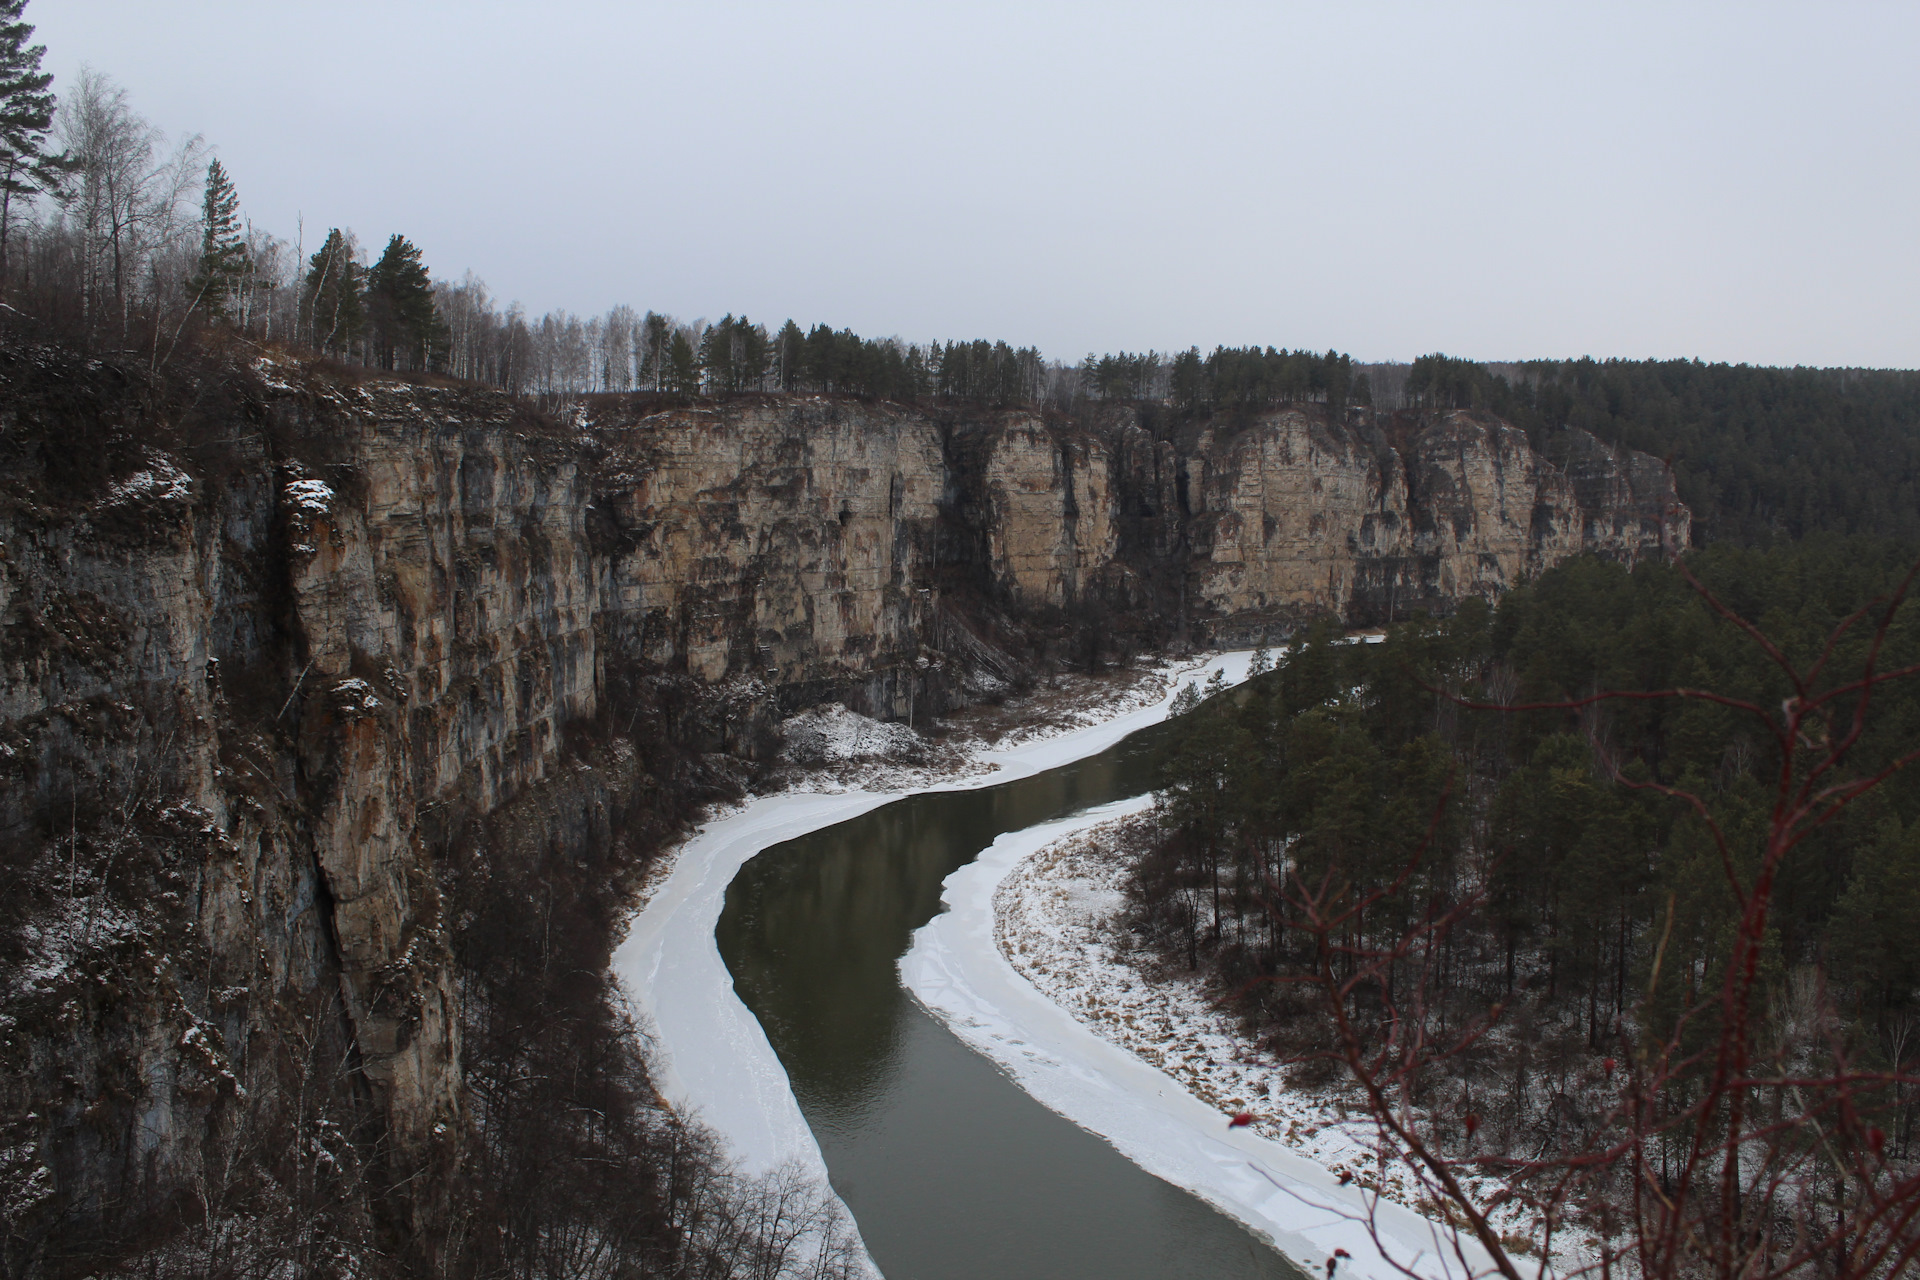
x: 831, y: 734
x: 833, y: 749
x: 1055, y: 921
x: 957, y: 970
x: 1070, y: 702
x: 711, y: 1059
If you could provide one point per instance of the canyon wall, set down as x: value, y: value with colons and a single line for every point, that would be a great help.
x: 269, y: 657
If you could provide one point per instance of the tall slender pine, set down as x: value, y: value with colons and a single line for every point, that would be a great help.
x: 334, y: 306
x: 27, y: 167
x: 224, y: 265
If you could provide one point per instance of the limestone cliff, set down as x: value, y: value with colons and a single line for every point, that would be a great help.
x: 268, y: 649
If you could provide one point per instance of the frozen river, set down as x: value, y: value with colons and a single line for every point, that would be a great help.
x: 769, y: 964
x: 950, y: 1168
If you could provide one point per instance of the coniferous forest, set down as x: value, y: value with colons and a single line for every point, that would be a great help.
x: 1588, y: 937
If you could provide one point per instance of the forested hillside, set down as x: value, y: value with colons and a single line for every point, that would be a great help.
x: 1342, y: 755
x: 1505, y: 888
x: 1759, y: 454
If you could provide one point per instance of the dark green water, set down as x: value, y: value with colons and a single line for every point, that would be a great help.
x: 950, y: 1168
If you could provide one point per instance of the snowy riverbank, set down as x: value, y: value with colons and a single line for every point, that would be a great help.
x: 711, y: 1059
x: 1173, y: 1122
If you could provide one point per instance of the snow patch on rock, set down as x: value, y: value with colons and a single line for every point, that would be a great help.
x: 832, y: 734
x: 159, y: 481
x: 310, y: 497
x: 307, y: 501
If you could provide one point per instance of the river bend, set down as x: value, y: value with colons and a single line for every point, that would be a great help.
x: 950, y: 1169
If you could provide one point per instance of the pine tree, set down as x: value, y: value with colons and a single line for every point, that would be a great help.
x: 1875, y: 925
x: 717, y: 355
x: 400, y: 303
x: 1189, y: 383
x: 27, y: 168
x: 224, y: 264
x: 683, y: 370
x: 334, y: 306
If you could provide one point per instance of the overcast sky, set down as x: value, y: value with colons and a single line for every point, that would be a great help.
x: 1495, y: 180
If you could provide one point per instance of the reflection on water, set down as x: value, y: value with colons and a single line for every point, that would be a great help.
x: 951, y: 1169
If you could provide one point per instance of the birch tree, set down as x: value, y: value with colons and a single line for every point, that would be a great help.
x: 124, y: 205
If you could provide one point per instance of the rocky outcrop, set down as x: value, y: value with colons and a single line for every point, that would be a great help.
x: 1295, y: 516
x: 784, y: 541
x: 266, y: 658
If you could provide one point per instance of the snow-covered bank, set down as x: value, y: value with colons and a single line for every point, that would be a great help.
x: 712, y: 1060
x: 956, y: 969
x: 1057, y: 920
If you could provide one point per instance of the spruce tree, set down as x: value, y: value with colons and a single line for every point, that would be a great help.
x: 400, y: 300
x: 224, y: 264
x: 717, y: 353
x: 27, y: 168
x: 787, y: 352
x: 683, y: 368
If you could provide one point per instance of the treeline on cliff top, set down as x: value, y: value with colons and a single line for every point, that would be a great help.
x: 114, y: 240
x: 1556, y: 930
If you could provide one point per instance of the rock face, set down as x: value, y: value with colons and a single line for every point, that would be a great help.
x: 783, y: 541
x: 1295, y: 516
x: 270, y: 662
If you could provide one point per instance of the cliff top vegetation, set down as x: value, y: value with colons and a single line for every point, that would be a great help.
x: 116, y: 239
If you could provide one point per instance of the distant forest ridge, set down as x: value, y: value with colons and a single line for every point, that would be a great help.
x: 128, y: 245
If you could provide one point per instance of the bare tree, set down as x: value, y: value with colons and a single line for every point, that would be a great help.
x: 124, y: 207
x: 617, y: 335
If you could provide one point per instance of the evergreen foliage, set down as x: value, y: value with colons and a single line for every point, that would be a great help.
x: 400, y: 308
x: 1758, y: 454
x: 656, y: 342
x: 1334, y: 768
x: 27, y: 167
x: 224, y: 263
x: 683, y: 367
x: 1251, y: 378
x: 1125, y: 376
x: 734, y: 355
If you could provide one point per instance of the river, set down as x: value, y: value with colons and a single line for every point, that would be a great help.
x: 950, y: 1169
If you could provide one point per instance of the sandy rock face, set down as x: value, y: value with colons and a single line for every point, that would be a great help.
x: 1293, y: 516
x: 1054, y: 512
x: 805, y: 542
x: 781, y: 540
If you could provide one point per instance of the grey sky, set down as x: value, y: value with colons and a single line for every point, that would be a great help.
x: 1503, y: 181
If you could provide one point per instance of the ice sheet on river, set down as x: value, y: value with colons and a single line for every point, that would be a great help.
x: 712, y: 1059
x: 955, y: 969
